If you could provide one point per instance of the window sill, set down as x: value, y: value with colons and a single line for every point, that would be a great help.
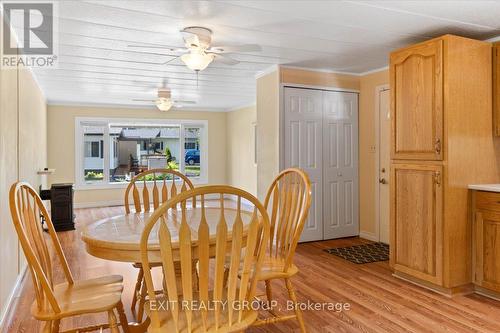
x: 112, y: 186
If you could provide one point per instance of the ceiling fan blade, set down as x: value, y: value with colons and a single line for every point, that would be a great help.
x: 144, y: 100
x: 172, y: 49
x: 224, y: 59
x: 236, y: 48
x: 183, y: 102
x: 168, y: 61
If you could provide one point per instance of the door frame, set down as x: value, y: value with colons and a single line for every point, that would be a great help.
x: 378, y: 90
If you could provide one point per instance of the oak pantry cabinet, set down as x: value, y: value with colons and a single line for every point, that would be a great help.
x: 441, y: 141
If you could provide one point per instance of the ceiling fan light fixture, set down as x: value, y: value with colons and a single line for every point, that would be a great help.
x: 197, y: 61
x: 164, y: 104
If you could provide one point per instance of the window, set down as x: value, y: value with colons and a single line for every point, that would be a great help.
x: 92, y: 149
x: 111, y: 151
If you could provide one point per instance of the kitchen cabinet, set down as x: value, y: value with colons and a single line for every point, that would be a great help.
x: 417, y: 98
x: 441, y: 141
x: 418, y: 227
x: 486, y: 242
x: 496, y: 88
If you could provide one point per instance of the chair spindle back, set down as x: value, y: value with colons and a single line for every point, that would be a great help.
x: 27, y: 211
x: 233, y: 235
x: 164, y: 183
x: 288, y: 199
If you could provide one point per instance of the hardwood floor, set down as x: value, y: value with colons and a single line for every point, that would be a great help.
x: 378, y: 302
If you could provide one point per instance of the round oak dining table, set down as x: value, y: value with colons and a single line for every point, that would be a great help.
x: 118, y: 238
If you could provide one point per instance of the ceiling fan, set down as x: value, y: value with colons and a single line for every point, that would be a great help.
x: 164, y: 102
x: 198, y: 52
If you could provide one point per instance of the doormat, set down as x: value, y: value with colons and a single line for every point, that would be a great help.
x: 362, y: 254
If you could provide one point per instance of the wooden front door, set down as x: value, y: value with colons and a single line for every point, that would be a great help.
x: 416, y: 220
x: 416, y: 75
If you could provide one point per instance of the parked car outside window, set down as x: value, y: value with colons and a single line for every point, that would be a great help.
x: 192, y: 156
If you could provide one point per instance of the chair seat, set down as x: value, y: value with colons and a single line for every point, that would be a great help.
x: 85, y: 296
x: 167, y: 323
x: 274, y: 268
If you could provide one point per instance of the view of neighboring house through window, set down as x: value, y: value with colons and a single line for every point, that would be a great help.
x: 115, y: 152
x: 93, y: 153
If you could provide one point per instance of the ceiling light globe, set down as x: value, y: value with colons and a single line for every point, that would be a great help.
x: 197, y: 61
x: 164, y: 104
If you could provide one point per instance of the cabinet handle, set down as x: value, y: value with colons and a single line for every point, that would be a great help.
x: 437, y: 146
x: 437, y: 178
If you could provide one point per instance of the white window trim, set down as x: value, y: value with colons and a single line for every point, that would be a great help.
x: 80, y: 184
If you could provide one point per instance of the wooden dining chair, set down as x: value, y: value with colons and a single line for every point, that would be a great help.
x: 70, y: 298
x: 158, y: 185
x: 288, y: 201
x: 203, y: 302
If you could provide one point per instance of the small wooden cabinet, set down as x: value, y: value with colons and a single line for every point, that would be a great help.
x: 496, y: 88
x: 417, y: 98
x: 441, y: 141
x: 486, y: 241
x: 418, y: 226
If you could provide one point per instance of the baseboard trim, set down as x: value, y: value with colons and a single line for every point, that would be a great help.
x: 7, y: 312
x: 96, y: 204
x: 368, y: 235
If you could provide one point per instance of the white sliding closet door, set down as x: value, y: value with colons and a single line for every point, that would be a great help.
x: 303, y: 148
x: 321, y: 137
x: 340, y: 164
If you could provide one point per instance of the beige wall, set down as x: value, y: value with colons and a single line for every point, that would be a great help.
x: 23, y: 151
x: 367, y: 153
x: 268, y: 91
x: 320, y: 79
x: 241, y: 167
x: 61, y: 143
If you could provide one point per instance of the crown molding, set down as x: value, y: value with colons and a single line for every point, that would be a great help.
x: 493, y: 39
x: 374, y: 70
x: 266, y: 71
x: 52, y: 102
x: 321, y: 70
x: 243, y: 106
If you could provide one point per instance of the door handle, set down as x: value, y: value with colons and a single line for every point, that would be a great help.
x: 382, y: 181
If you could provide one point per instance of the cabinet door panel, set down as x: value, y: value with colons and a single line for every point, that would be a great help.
x: 487, y: 250
x: 416, y: 221
x: 417, y: 102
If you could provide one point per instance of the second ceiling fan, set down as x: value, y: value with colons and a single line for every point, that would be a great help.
x: 198, y: 52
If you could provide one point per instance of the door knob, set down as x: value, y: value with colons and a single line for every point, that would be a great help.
x: 382, y: 181
x: 339, y: 174
x: 383, y: 170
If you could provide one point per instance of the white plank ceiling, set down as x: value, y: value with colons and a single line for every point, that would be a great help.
x: 97, y: 67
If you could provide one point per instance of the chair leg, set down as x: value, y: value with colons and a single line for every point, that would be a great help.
x: 113, y: 325
x: 123, y: 317
x: 226, y: 276
x: 137, y: 289
x: 298, y: 312
x: 142, y: 300
x: 269, y: 292
x: 55, y: 326
x: 47, y: 327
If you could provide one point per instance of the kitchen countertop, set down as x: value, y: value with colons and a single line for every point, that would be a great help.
x: 485, y: 187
